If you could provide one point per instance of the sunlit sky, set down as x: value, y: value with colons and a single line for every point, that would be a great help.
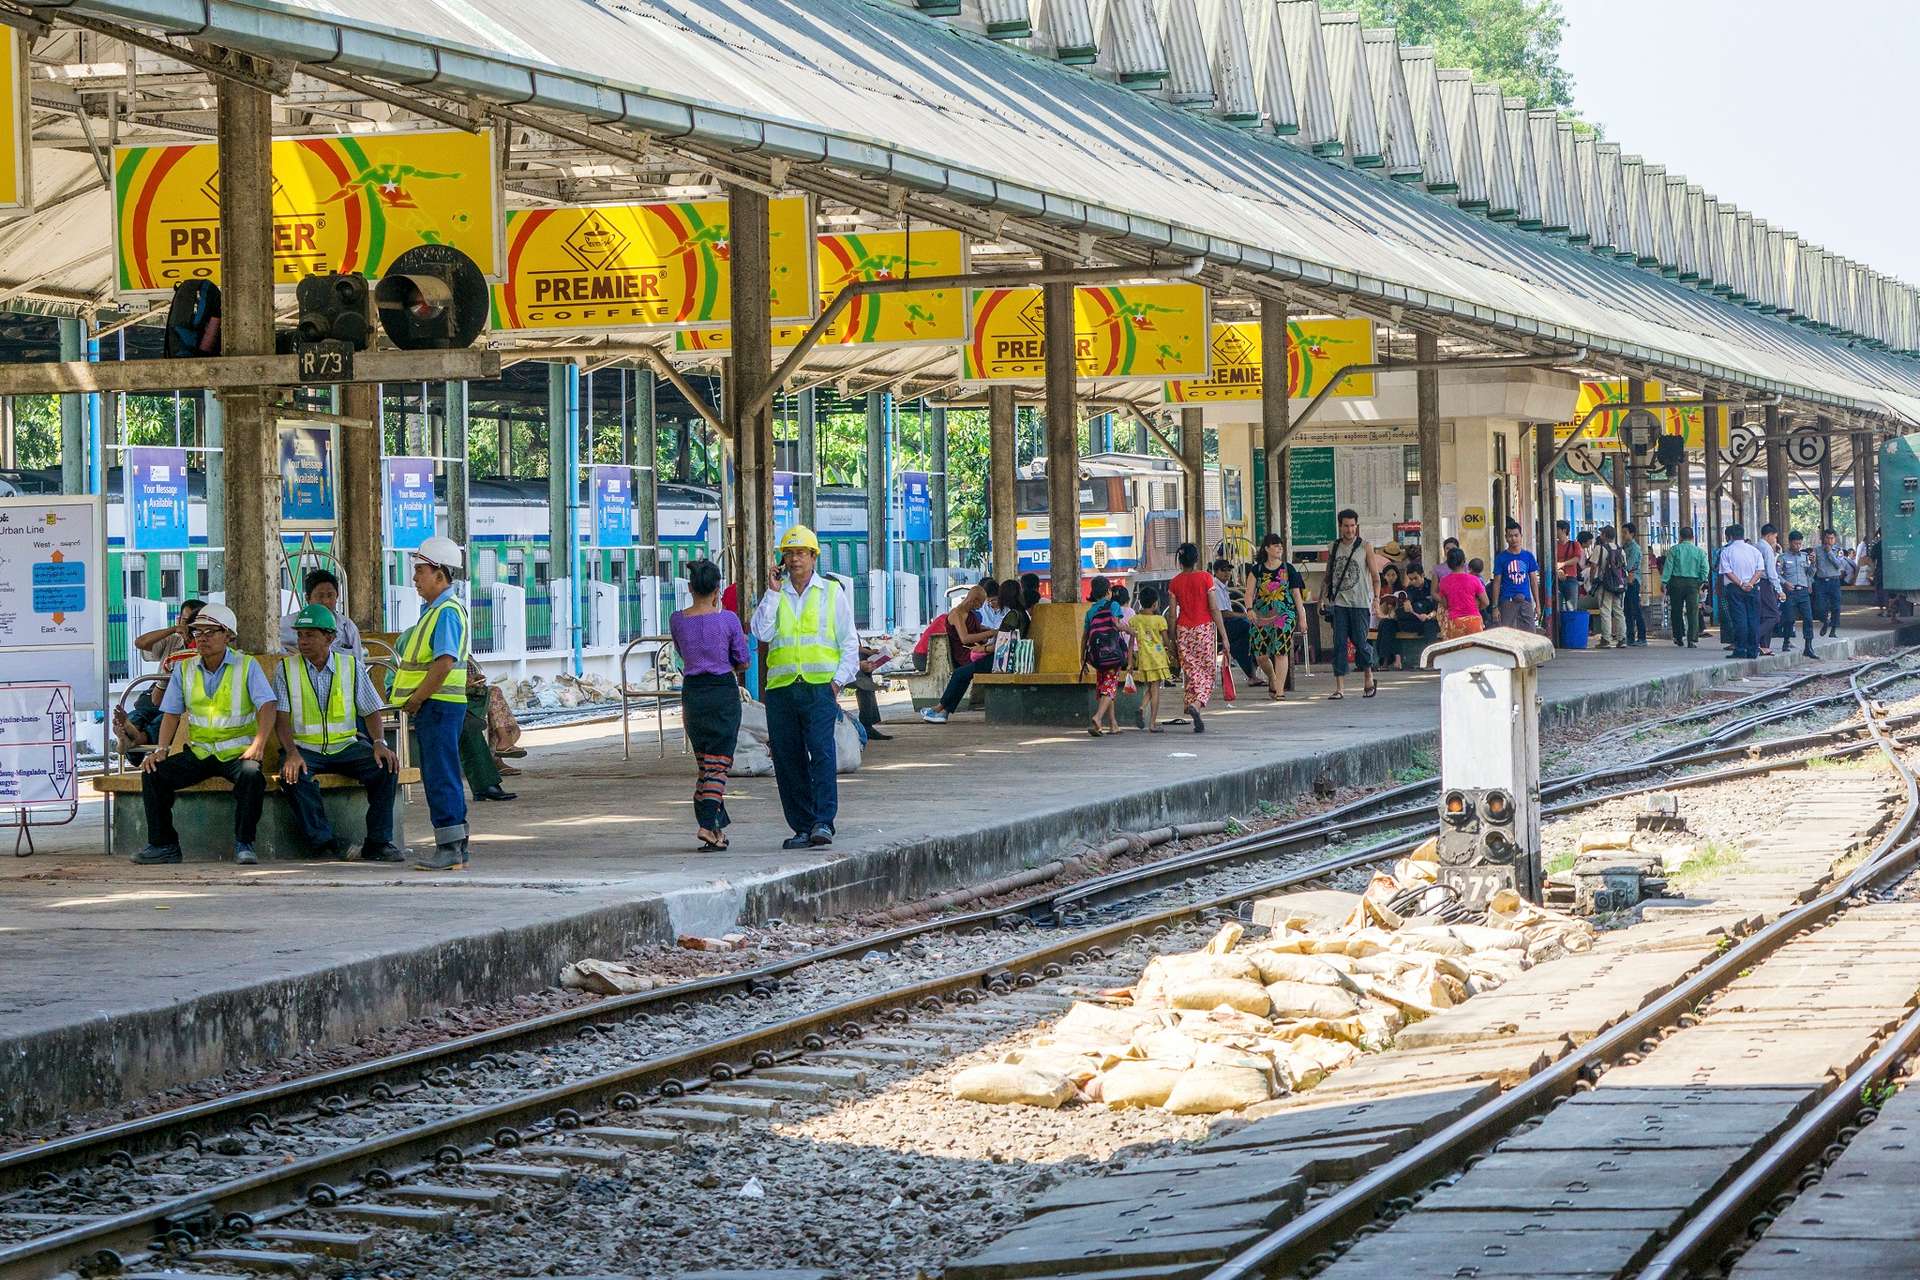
x: 1798, y: 113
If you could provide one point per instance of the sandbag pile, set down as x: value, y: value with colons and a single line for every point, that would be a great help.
x: 1246, y: 1020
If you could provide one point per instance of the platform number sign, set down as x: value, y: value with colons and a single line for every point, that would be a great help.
x: 1584, y: 459
x: 1806, y: 446
x: 1745, y: 443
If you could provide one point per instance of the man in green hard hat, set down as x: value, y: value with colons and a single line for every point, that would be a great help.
x: 334, y: 723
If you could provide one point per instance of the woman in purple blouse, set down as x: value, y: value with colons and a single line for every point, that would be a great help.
x: 713, y: 652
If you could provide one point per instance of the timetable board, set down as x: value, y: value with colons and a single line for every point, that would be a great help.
x: 53, y: 595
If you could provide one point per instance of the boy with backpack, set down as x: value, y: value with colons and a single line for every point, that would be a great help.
x: 1610, y: 590
x: 1103, y: 646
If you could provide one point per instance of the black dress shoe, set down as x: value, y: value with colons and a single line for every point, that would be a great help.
x: 497, y: 792
x: 796, y: 842
x: 821, y: 837
x: 382, y: 853
x: 874, y: 735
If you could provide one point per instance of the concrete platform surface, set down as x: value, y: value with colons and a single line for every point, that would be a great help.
x: 117, y: 980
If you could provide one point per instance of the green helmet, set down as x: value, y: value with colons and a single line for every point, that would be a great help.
x: 315, y: 617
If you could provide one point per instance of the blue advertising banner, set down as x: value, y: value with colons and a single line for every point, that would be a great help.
x: 410, y: 506
x: 309, y: 494
x: 612, y: 507
x: 156, y: 499
x: 786, y: 502
x: 917, y: 498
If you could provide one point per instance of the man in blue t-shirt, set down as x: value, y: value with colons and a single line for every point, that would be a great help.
x: 1518, y: 573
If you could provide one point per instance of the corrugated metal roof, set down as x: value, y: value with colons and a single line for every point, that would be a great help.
x: 872, y: 87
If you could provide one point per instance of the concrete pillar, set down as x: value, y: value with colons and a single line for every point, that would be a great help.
x: 1275, y: 410
x: 643, y: 444
x: 1639, y: 506
x: 808, y: 447
x: 1002, y: 423
x: 1683, y: 493
x: 751, y: 367
x: 1543, y: 507
x: 213, y: 435
x: 939, y: 554
x: 252, y: 478
x: 454, y: 433
x: 1777, y: 511
x: 1869, y: 479
x: 503, y: 443
x: 1863, y: 463
x: 559, y: 470
x: 362, y: 541
x: 879, y: 483
x: 1710, y: 536
x: 1063, y: 440
x: 73, y: 424
x: 1825, y: 427
x: 1426, y: 388
x: 9, y: 455
x: 1193, y: 480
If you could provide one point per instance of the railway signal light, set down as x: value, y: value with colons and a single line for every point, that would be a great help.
x: 193, y: 320
x: 336, y: 306
x: 432, y: 297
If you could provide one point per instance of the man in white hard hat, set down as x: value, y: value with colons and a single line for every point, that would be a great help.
x: 423, y: 686
x: 229, y: 705
x: 806, y: 618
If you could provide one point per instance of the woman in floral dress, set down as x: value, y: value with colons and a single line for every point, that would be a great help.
x: 1273, y: 588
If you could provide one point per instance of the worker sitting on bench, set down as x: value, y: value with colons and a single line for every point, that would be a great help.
x: 328, y: 698
x: 229, y: 705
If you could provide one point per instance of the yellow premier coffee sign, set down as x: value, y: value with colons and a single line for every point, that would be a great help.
x: 340, y: 203
x: 643, y: 266
x: 1603, y: 432
x: 16, y: 155
x: 1128, y: 331
x: 922, y: 318
x: 1316, y: 351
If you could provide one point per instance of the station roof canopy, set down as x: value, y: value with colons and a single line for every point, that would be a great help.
x: 889, y: 110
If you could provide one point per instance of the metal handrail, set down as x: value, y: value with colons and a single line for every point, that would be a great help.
x: 659, y: 692
x: 113, y: 743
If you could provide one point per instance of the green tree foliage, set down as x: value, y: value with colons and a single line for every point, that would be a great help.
x: 1512, y: 43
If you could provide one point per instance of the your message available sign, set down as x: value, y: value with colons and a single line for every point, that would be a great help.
x: 1129, y: 331
x: 921, y: 318
x: 1316, y: 351
x: 644, y: 266
x: 340, y: 203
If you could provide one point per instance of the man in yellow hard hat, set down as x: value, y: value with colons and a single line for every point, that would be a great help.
x: 424, y: 687
x: 806, y: 619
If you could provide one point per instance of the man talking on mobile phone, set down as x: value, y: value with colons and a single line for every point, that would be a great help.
x: 806, y: 620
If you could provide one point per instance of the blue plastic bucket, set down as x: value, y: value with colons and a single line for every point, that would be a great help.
x: 1574, y: 624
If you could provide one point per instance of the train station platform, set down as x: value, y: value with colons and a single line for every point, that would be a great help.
x: 116, y: 981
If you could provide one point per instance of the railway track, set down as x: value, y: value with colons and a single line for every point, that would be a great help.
x: 358, y: 1143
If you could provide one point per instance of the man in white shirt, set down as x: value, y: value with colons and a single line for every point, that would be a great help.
x: 1741, y: 567
x: 323, y: 588
x: 806, y: 619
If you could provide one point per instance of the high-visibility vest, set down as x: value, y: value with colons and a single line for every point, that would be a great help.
x: 416, y: 656
x: 804, y: 645
x: 325, y: 729
x: 219, y: 724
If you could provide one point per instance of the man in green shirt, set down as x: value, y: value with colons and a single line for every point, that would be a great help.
x: 1682, y: 574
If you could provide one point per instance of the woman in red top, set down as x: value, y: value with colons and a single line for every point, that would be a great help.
x: 1196, y: 625
x: 1462, y: 597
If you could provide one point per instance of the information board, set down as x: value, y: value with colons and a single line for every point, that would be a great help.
x: 53, y: 605
x: 410, y: 503
x: 156, y: 499
x: 309, y: 492
x: 916, y: 500
x: 1310, y: 493
x: 36, y: 745
x: 612, y: 507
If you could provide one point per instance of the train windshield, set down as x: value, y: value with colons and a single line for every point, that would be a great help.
x: 1031, y: 496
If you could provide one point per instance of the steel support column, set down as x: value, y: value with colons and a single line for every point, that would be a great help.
x: 1639, y: 502
x: 245, y: 133
x: 749, y: 413
x: 1544, y: 516
x: 808, y: 463
x: 643, y: 456
x: 879, y: 486
x: 1275, y: 411
x: 213, y: 437
x: 562, y: 479
x: 1063, y: 439
x: 1863, y: 464
x: 362, y: 544
x: 938, y: 554
x: 454, y: 434
x: 1426, y: 389
x: 1777, y: 509
x: 1710, y: 536
x: 1193, y: 479
x: 1002, y: 423
x: 73, y: 422
x: 1825, y: 427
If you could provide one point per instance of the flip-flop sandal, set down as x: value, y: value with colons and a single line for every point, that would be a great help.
x: 1156, y: 729
x: 1094, y: 731
x: 1369, y: 693
x: 1335, y: 697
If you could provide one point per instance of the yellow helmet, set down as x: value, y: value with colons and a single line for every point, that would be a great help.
x: 799, y: 538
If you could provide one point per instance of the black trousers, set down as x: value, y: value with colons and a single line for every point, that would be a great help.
x: 175, y: 773
x: 1240, y: 640
x: 959, y: 683
x: 1798, y: 604
x: 354, y: 761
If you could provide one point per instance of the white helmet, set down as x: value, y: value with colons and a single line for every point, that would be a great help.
x: 444, y: 552
x: 219, y: 615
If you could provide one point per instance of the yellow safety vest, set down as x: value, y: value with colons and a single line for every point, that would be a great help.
x: 804, y: 645
x: 219, y: 724
x: 416, y: 656
x: 326, y: 729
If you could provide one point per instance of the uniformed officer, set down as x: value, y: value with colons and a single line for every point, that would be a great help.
x: 425, y: 688
x: 807, y: 620
x: 229, y: 705
x: 327, y: 699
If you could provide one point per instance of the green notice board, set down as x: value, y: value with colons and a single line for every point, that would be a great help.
x: 1310, y: 490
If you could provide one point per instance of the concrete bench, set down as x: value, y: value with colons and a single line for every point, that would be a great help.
x: 1056, y: 691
